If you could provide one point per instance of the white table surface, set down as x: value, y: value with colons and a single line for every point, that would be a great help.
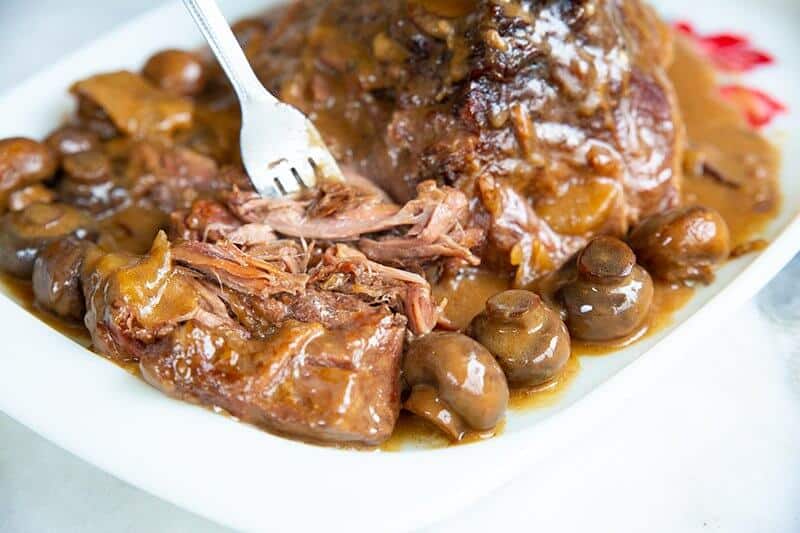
x: 717, y: 448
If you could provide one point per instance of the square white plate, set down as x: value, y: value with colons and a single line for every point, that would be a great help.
x: 245, y: 478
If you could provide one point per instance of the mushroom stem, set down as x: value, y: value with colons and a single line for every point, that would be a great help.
x: 424, y: 402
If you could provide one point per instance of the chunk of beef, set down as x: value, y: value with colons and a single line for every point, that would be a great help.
x: 133, y: 301
x: 346, y: 270
x: 516, y: 232
x: 311, y: 354
x: 206, y: 220
x: 565, y: 102
x: 172, y: 177
x: 324, y: 385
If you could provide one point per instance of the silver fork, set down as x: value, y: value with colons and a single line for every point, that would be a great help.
x: 282, y: 151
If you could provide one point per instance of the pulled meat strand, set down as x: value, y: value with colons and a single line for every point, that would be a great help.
x: 328, y: 213
x: 233, y: 268
x: 400, y: 289
x: 430, y: 226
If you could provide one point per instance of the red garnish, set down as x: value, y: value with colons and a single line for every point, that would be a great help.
x: 758, y: 107
x: 728, y: 51
x: 684, y: 27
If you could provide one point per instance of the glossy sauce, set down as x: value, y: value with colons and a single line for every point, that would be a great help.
x: 548, y: 394
x: 467, y: 293
x: 718, y: 133
x: 414, y: 432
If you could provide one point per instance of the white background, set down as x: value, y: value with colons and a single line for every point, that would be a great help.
x: 716, y: 448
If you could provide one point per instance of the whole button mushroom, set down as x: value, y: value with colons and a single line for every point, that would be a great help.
x: 56, y: 277
x: 89, y: 166
x: 32, y: 194
x: 23, y: 162
x: 23, y: 234
x: 682, y: 245
x: 455, y: 383
x: 528, y: 339
x: 88, y: 181
x: 611, y: 295
x: 176, y: 71
x: 68, y: 140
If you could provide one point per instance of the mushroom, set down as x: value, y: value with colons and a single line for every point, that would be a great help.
x: 176, y: 71
x: 528, y: 339
x: 56, y: 277
x: 23, y: 162
x: 23, y: 234
x: 610, y: 296
x: 32, y: 194
x: 88, y: 182
x: 682, y: 245
x: 68, y: 140
x: 455, y: 383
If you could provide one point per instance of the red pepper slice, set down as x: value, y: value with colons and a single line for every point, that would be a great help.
x: 757, y: 106
x: 729, y: 52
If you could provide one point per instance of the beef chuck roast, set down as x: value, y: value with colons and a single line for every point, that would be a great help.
x: 308, y: 381
x: 308, y: 355
x: 566, y: 102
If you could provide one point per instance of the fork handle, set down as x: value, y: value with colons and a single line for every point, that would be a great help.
x: 226, y: 48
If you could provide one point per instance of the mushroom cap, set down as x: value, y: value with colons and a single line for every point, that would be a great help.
x: 611, y: 295
x: 606, y: 259
x: 23, y: 162
x: 176, y: 71
x: 24, y: 233
x: 528, y: 339
x: 682, y: 245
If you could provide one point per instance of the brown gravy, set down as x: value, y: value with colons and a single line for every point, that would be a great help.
x: 717, y: 134
x: 467, y: 293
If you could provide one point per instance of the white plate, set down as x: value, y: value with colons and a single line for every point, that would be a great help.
x: 239, y: 476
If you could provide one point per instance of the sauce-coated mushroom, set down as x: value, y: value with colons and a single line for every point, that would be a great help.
x: 23, y: 162
x: 68, y: 140
x: 56, y: 277
x: 176, y: 71
x: 682, y: 245
x: 32, y: 194
x: 611, y: 295
x: 23, y: 234
x: 88, y: 182
x: 528, y: 339
x: 455, y: 383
